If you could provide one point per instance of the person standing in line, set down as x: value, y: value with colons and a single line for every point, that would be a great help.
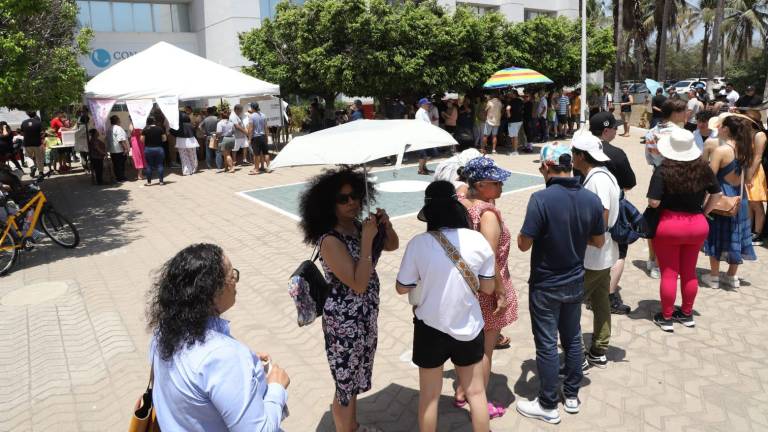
x: 447, y: 323
x: 672, y: 114
x: 574, y: 122
x: 479, y: 109
x: 492, y: 122
x: 606, y: 102
x: 137, y: 152
x: 541, y: 115
x: 589, y: 158
x: 627, y: 100
x: 204, y: 379
x: 422, y: 114
x: 559, y: 223
x: 731, y: 95
x: 604, y: 126
x: 186, y: 143
x: 749, y: 99
x: 757, y: 189
x: 118, y: 147
x: 515, y: 115
x: 258, y: 126
x: 225, y: 135
x: 730, y: 237
x: 529, y: 122
x: 330, y: 210
x: 485, y: 181
x: 97, y: 152
x: 464, y: 125
x: 656, y: 103
x: 241, y: 134
x: 32, y: 129
x: 678, y: 188
x: 594, y: 102
x: 554, y: 100
x: 703, y: 133
x: 563, y: 114
x: 152, y: 137
x: 450, y: 115
x: 213, y: 156
x: 357, y: 111
x: 692, y: 108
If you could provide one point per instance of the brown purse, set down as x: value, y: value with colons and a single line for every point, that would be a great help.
x: 144, y: 418
x: 728, y: 206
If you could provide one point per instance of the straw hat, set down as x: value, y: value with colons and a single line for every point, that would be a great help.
x: 716, y: 122
x: 678, y: 145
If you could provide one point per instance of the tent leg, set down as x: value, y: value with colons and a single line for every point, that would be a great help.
x: 282, y: 123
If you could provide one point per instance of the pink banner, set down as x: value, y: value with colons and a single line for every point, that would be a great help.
x: 100, y: 109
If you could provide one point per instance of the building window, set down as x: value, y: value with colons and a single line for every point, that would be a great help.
x: 267, y: 8
x: 108, y: 16
x: 535, y: 13
x: 481, y: 10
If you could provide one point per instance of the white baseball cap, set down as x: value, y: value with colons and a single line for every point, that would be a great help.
x: 592, y: 145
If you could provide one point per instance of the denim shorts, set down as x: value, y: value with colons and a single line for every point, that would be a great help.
x: 489, y: 130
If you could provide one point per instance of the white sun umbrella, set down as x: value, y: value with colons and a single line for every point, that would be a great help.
x: 360, y: 142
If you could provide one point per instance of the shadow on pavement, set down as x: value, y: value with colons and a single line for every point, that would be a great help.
x: 527, y: 385
x: 498, y: 388
x: 99, y: 213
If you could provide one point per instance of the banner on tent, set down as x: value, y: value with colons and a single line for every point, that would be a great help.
x: 100, y: 109
x: 169, y: 105
x: 139, y: 110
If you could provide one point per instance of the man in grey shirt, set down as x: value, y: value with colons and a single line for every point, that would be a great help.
x: 208, y: 126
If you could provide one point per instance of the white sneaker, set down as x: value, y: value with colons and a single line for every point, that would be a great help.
x: 710, y: 281
x: 649, y: 265
x: 730, y: 281
x: 514, y: 153
x: 532, y: 409
x: 654, y: 273
x: 571, y: 405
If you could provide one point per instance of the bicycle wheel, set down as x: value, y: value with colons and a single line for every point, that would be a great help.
x: 7, y: 254
x: 60, y: 229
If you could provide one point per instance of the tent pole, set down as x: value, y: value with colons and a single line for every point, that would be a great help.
x: 282, y: 122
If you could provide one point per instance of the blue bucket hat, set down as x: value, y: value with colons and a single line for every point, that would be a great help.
x: 484, y: 168
x: 423, y: 101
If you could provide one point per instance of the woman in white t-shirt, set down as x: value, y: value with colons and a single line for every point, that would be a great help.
x: 448, y: 323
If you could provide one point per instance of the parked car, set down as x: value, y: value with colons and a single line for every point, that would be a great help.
x: 682, y: 87
x: 639, y: 92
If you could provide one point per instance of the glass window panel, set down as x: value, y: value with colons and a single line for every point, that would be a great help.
x: 83, y: 14
x: 142, y: 17
x: 265, y: 9
x: 162, y: 18
x: 180, y: 15
x: 122, y: 16
x: 101, y: 16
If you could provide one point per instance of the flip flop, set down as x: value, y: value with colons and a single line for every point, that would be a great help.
x: 459, y: 403
x: 502, y: 341
x: 495, y: 411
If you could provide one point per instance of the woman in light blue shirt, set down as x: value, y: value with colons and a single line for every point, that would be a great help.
x: 205, y: 380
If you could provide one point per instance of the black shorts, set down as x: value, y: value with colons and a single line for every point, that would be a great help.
x: 623, y: 248
x: 431, y: 347
x: 562, y: 118
x: 259, y: 145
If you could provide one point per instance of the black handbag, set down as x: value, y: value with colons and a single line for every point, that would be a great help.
x: 308, y: 289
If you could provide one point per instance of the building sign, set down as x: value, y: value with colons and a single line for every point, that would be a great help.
x: 105, y: 54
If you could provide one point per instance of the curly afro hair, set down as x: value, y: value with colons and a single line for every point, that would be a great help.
x: 317, y: 204
x: 181, y: 299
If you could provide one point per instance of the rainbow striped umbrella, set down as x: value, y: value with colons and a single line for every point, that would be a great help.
x: 514, y: 76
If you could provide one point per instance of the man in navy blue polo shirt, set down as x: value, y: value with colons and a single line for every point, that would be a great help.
x: 560, y: 222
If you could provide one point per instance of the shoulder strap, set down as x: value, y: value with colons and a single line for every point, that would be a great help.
x: 151, y: 375
x: 458, y: 261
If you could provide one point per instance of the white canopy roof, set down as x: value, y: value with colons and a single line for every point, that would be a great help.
x: 166, y: 70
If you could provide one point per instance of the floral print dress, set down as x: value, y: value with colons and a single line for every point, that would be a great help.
x: 350, y: 326
x: 488, y: 302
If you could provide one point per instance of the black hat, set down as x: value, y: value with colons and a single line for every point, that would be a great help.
x: 603, y: 120
x: 439, y: 195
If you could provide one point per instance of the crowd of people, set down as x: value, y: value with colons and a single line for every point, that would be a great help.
x: 224, y: 140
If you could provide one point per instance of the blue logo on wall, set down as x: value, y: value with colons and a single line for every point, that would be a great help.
x: 100, y: 57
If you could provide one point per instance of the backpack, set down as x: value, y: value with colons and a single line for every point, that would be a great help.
x: 308, y: 289
x: 630, y: 225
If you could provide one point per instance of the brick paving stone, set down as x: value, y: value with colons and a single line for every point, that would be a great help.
x: 78, y: 362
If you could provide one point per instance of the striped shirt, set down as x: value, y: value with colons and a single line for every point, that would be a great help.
x: 562, y: 108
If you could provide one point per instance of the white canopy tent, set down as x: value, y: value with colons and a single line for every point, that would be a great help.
x: 165, y: 74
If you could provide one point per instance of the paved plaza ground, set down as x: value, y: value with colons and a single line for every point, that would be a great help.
x: 73, y: 342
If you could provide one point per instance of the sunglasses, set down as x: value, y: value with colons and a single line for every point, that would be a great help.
x: 342, y: 198
x: 236, y: 275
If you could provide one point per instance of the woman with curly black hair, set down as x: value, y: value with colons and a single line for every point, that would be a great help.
x: 204, y: 379
x: 330, y: 211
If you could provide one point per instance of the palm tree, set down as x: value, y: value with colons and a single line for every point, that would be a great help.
x: 713, y: 47
x: 742, y: 20
x: 665, y: 11
x: 661, y: 36
x: 704, y: 15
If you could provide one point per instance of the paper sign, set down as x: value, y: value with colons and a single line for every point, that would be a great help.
x: 169, y: 105
x: 139, y: 110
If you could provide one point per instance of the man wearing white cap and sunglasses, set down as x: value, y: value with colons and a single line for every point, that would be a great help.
x: 589, y: 159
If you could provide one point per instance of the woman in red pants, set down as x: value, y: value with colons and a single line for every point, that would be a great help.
x: 679, y: 188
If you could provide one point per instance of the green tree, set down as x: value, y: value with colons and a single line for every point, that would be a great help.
x: 40, y: 43
x: 552, y: 46
x: 743, y: 20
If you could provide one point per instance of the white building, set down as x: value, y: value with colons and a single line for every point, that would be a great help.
x: 210, y: 28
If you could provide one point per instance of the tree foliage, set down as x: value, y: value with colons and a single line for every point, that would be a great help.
x: 40, y: 43
x: 374, y: 48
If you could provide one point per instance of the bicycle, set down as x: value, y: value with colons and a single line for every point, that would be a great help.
x: 16, y: 238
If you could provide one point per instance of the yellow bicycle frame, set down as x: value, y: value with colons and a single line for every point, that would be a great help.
x: 38, y: 201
